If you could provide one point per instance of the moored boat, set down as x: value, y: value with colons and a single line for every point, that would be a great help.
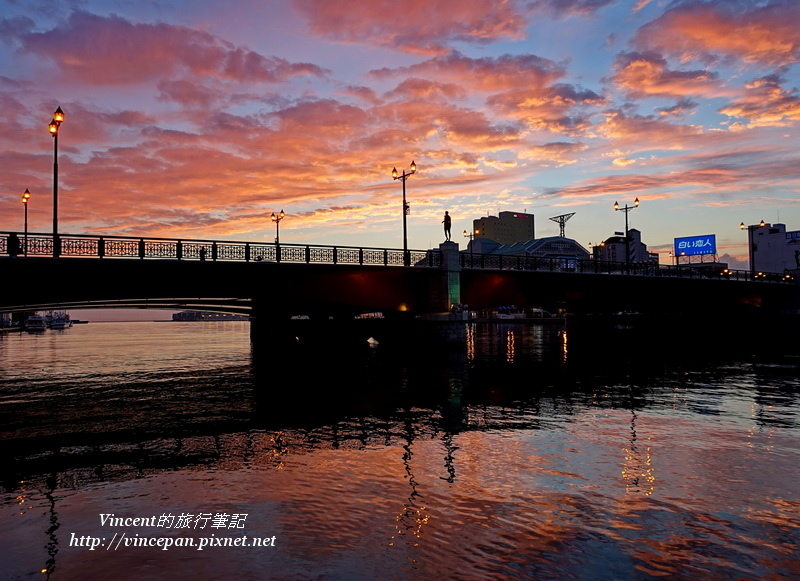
x: 58, y: 320
x: 35, y: 323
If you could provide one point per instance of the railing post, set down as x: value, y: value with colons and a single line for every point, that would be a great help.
x: 141, y: 247
x: 385, y: 257
x: 334, y: 255
x: 361, y: 256
x: 101, y: 248
x: 179, y: 250
x: 213, y: 251
x: 247, y: 252
x: 277, y: 252
x: 308, y: 254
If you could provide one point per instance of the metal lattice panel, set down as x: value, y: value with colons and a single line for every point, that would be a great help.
x: 160, y: 249
x: 122, y: 248
x: 79, y: 247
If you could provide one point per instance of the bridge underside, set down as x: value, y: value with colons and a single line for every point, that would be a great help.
x: 279, y: 289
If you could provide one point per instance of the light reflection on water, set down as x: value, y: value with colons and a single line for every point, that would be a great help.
x: 531, y: 453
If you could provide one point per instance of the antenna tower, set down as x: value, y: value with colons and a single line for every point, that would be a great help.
x: 562, y: 220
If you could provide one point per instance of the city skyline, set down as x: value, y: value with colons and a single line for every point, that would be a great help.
x: 199, y: 120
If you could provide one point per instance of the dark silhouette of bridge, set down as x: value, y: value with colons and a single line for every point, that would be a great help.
x: 277, y: 281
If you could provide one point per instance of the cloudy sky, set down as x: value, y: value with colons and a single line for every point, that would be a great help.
x: 198, y: 119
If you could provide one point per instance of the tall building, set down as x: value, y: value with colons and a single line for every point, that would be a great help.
x: 614, y: 248
x: 772, y: 248
x: 505, y: 228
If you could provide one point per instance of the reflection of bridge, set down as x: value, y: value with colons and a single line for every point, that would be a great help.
x: 292, y: 279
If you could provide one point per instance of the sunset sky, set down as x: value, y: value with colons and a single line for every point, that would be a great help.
x: 198, y: 119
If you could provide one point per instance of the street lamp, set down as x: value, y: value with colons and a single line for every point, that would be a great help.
x: 750, y: 243
x: 58, y: 118
x: 471, y: 236
x: 627, y: 209
x: 26, y: 196
x: 404, y: 176
x: 277, y: 219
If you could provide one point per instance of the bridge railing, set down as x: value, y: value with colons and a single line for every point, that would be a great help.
x: 501, y: 262
x: 88, y: 246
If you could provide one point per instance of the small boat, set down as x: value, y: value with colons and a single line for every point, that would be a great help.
x: 58, y: 320
x: 35, y: 323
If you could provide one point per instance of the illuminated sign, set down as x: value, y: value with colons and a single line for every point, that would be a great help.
x: 694, y: 245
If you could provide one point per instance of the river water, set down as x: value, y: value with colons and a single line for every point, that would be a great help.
x: 534, y: 451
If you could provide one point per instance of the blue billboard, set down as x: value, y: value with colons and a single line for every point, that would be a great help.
x: 694, y: 245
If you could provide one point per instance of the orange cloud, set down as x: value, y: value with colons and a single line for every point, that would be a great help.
x: 765, y: 103
x: 763, y: 33
x: 704, y: 175
x: 644, y: 132
x: 647, y: 74
x: 488, y: 74
x: 556, y: 108
x: 416, y: 26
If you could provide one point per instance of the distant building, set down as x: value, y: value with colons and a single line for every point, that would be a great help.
x: 506, y: 228
x: 549, y: 247
x: 613, y: 249
x: 773, y: 249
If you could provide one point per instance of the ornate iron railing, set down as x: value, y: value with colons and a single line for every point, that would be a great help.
x: 87, y: 246
x: 81, y: 246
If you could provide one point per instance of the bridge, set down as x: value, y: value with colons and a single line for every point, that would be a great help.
x: 275, y: 281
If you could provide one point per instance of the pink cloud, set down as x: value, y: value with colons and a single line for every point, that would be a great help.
x: 647, y: 74
x: 416, y: 26
x: 483, y: 74
x: 551, y: 108
x: 567, y: 8
x: 679, y: 109
x: 644, y: 132
x: 112, y: 51
x: 189, y: 93
x: 704, y: 175
x: 425, y: 89
x: 554, y: 154
x: 755, y: 33
x: 765, y: 103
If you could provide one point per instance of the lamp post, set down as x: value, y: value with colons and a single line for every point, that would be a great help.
x: 277, y: 219
x: 750, y: 245
x: 471, y: 236
x: 26, y: 196
x: 403, y: 177
x: 58, y: 118
x: 627, y: 209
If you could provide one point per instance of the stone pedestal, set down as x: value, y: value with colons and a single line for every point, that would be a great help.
x: 451, y: 276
